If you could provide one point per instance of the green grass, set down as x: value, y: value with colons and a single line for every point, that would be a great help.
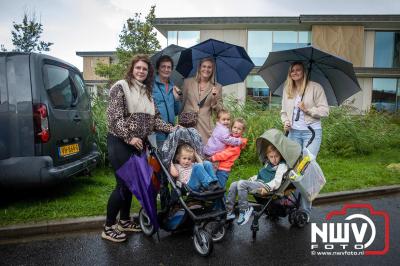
x: 87, y: 196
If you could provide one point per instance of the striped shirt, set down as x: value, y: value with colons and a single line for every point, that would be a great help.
x: 184, y: 173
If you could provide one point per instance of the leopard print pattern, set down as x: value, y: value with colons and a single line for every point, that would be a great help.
x: 127, y: 126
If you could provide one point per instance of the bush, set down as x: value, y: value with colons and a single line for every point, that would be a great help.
x: 99, y: 107
x: 347, y: 135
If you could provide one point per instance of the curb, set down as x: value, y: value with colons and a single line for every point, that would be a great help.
x: 13, y: 232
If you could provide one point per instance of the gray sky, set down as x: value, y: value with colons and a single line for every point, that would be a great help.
x: 94, y: 25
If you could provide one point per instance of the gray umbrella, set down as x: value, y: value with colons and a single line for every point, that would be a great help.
x: 335, y: 74
x: 174, y: 51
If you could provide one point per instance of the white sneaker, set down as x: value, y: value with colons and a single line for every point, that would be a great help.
x: 230, y: 216
x: 244, y: 216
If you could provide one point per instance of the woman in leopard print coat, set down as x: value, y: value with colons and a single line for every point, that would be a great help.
x: 132, y: 116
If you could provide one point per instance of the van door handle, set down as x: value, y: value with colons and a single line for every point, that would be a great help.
x: 77, y: 118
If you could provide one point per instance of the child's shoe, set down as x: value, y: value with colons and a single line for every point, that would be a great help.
x: 244, y: 216
x: 128, y: 226
x: 213, y: 186
x: 230, y: 216
x: 113, y: 234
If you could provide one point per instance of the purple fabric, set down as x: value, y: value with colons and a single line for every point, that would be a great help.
x: 136, y: 173
x: 219, y: 138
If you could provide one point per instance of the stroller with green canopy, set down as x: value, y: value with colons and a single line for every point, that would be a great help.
x: 303, y: 174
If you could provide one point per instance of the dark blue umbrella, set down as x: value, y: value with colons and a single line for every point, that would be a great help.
x: 232, y: 62
x: 174, y: 51
x: 335, y: 74
x: 136, y: 173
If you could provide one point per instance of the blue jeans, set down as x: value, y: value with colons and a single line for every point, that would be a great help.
x: 202, y: 175
x: 222, y: 178
x: 302, y: 137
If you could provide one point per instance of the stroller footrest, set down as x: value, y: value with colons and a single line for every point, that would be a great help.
x: 206, y: 195
x: 210, y: 215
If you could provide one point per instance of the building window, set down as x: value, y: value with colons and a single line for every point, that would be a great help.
x: 386, y: 94
x: 258, y: 90
x: 260, y: 43
x: 387, y: 49
x: 183, y: 38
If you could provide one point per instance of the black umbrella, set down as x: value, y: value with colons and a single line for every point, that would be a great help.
x: 335, y: 74
x: 232, y: 62
x: 174, y: 51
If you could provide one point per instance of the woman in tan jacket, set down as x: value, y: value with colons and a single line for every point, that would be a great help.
x: 201, y: 87
x: 301, y: 115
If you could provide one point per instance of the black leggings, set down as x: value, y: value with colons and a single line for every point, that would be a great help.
x: 121, y: 198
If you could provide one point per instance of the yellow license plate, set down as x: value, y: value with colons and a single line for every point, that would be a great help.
x: 68, y: 150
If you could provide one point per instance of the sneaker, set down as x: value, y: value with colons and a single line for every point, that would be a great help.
x: 128, y: 226
x: 244, y: 216
x: 113, y: 234
x: 230, y: 216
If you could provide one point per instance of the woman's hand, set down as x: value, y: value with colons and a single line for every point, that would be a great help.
x: 177, y: 92
x: 137, y: 143
x: 302, y: 107
x: 214, y: 91
x: 286, y: 125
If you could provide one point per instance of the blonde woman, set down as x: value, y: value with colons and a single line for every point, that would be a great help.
x: 199, y: 88
x: 303, y: 104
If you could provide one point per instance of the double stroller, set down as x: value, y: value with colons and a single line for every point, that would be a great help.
x: 304, y: 174
x: 181, y: 207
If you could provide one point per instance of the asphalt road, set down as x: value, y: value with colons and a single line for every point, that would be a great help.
x: 277, y: 243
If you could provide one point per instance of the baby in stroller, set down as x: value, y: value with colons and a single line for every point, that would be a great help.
x: 191, y: 190
x: 198, y: 176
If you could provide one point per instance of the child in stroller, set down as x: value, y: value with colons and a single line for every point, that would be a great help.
x: 303, y: 173
x: 269, y: 178
x: 198, y: 175
x: 186, y: 207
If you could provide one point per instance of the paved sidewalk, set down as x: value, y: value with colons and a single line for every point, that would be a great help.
x: 96, y: 222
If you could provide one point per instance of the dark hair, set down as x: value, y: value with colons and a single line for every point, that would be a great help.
x: 164, y: 58
x: 149, y: 79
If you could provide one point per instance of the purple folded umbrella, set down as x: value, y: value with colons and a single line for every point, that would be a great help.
x: 136, y: 173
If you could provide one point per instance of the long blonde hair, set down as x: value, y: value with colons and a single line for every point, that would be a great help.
x: 212, y: 77
x: 290, y: 86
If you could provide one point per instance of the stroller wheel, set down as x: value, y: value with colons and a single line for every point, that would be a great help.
x: 145, y: 223
x: 202, y: 242
x: 291, y: 217
x: 300, y: 219
x: 216, y: 230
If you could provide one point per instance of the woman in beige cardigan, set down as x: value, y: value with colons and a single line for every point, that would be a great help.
x: 201, y: 87
x: 311, y: 107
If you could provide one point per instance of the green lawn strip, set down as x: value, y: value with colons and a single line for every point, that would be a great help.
x: 87, y: 196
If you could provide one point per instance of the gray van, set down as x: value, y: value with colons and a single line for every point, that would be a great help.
x: 46, y: 128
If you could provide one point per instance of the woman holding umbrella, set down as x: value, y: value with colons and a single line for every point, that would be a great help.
x: 132, y: 116
x: 202, y: 95
x: 303, y: 104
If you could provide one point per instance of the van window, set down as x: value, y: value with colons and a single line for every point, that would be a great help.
x: 83, y: 97
x: 59, y: 87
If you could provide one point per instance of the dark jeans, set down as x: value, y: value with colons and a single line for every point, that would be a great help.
x: 121, y: 198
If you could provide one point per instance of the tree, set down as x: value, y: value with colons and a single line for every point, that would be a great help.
x: 26, y: 36
x: 137, y: 37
